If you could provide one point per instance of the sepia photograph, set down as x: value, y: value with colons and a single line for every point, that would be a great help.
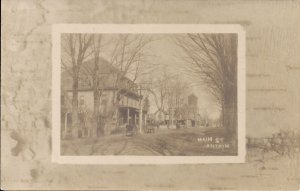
x: 149, y: 94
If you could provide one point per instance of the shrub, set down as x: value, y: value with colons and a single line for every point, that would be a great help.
x: 285, y: 142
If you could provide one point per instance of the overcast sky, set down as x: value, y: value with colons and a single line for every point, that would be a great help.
x: 166, y: 56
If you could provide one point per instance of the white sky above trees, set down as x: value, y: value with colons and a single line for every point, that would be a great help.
x: 162, y: 54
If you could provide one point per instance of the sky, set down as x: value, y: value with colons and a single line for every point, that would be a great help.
x: 166, y: 56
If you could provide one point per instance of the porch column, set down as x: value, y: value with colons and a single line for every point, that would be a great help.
x: 141, y: 118
x: 127, y: 115
x: 145, y: 119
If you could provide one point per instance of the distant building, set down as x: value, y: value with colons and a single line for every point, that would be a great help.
x: 186, y: 115
x: 192, y: 100
x: 160, y: 116
x: 192, y: 116
x: 116, y: 91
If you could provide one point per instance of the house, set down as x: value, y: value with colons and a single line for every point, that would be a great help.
x: 188, y: 114
x: 185, y: 115
x: 192, y: 115
x: 160, y: 116
x: 119, y: 98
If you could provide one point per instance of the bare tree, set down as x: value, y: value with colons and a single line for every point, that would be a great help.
x: 169, y: 92
x: 96, y: 77
x: 212, y: 58
x: 179, y: 91
x: 161, y: 90
x: 127, y: 56
x: 74, y: 52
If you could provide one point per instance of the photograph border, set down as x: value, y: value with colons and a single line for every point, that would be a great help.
x: 58, y: 29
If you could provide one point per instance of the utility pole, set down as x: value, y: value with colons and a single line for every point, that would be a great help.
x: 144, y: 90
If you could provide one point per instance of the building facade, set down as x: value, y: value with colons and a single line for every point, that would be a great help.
x: 185, y: 115
x: 119, y: 100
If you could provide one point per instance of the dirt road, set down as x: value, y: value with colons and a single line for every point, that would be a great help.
x: 174, y: 142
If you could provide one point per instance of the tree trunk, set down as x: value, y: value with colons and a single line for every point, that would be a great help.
x: 110, y: 117
x: 75, y: 122
x: 141, y: 118
x: 230, y: 112
x: 169, y: 119
x: 97, y: 124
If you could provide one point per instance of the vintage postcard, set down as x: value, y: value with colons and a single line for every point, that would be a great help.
x: 148, y: 94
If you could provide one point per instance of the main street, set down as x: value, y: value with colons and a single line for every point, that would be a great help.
x: 166, y: 142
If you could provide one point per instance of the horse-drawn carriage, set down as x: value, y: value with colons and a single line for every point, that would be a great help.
x: 150, y: 128
x: 131, y: 129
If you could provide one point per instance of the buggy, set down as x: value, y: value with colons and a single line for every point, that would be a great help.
x: 150, y: 128
x: 131, y: 130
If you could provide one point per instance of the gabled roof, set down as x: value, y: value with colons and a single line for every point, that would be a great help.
x: 86, y: 72
x: 104, y: 66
